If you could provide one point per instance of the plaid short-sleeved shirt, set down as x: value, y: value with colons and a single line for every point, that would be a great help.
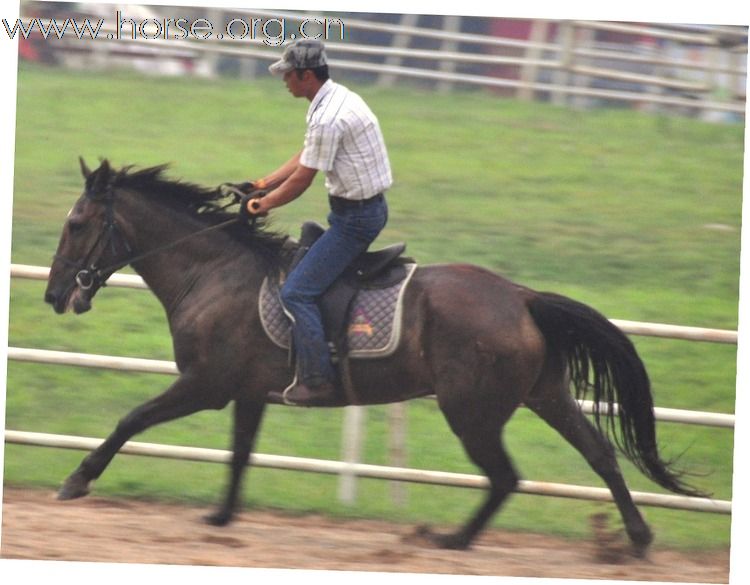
x: 344, y: 140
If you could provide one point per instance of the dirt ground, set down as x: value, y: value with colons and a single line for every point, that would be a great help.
x: 38, y: 527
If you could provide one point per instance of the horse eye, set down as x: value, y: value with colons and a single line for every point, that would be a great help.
x: 75, y: 226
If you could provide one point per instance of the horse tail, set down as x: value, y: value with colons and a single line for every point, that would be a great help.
x: 602, y: 362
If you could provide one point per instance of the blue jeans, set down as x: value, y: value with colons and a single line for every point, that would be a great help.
x: 350, y: 232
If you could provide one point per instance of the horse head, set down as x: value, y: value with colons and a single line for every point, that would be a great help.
x: 91, y: 240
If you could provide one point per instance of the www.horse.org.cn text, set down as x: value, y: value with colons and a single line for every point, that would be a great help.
x: 270, y: 31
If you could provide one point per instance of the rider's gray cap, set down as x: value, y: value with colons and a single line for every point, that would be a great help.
x: 302, y: 54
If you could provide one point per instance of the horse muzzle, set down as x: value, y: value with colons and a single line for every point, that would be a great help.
x: 76, y: 298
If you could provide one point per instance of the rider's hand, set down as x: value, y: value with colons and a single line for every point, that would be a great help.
x: 252, y: 205
x: 250, y: 186
x: 257, y: 185
x: 245, y: 187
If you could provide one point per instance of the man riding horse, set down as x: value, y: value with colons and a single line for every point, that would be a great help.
x: 344, y: 140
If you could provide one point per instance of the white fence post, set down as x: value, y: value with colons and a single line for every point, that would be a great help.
x: 351, y: 452
x: 397, y: 448
x: 566, y: 34
x: 400, y: 41
x: 451, y: 26
x: 533, y: 55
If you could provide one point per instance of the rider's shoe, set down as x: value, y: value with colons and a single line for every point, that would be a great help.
x: 308, y: 395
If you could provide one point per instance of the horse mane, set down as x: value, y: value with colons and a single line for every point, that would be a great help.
x: 210, y: 205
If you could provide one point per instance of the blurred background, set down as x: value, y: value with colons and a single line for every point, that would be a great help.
x: 696, y: 70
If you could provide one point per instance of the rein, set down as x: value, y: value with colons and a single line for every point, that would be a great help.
x: 98, y: 272
x: 89, y: 276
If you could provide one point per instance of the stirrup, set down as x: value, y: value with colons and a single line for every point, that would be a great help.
x: 286, y: 401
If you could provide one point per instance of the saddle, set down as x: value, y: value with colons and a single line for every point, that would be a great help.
x: 374, y: 280
x: 371, y: 270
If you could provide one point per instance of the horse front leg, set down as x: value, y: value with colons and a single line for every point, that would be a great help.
x: 247, y: 417
x: 182, y: 398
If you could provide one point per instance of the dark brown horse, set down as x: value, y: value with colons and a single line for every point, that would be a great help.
x: 481, y: 344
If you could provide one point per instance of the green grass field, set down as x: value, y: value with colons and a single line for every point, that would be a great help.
x: 637, y: 215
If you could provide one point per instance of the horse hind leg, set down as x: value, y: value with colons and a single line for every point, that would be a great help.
x: 552, y: 401
x: 477, y: 418
x: 485, y: 449
x: 478, y: 390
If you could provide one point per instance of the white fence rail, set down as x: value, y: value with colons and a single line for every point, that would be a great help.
x: 150, y: 366
x: 350, y: 469
x: 630, y: 327
x: 371, y: 471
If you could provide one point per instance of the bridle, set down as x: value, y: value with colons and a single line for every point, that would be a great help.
x: 90, y: 275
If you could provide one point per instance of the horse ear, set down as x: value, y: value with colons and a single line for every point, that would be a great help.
x: 101, y: 179
x: 85, y: 171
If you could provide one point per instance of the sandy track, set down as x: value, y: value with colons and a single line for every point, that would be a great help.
x: 36, y: 526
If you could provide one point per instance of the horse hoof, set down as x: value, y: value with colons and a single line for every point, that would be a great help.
x: 76, y: 486
x: 641, y: 543
x: 219, y: 518
x: 425, y: 536
x: 450, y: 541
x: 640, y: 549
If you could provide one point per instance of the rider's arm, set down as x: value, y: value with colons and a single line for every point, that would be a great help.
x: 296, y: 184
x: 280, y: 175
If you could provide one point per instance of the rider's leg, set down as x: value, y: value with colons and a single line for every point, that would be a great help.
x: 350, y: 233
